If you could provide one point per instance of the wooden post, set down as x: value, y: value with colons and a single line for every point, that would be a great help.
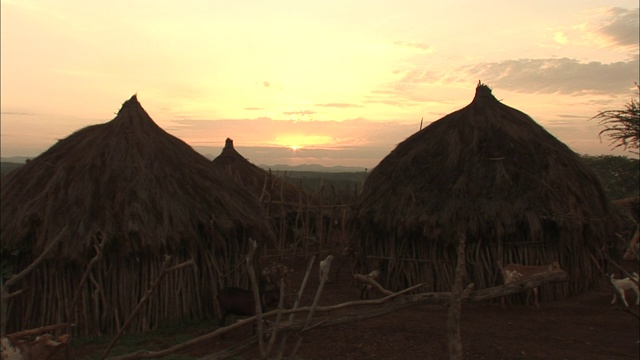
x: 453, y: 319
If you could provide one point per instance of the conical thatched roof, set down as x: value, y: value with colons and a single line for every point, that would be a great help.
x: 267, y: 187
x: 140, y: 187
x: 485, y: 170
x: 492, y: 174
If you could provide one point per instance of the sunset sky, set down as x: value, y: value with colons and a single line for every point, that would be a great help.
x: 342, y: 81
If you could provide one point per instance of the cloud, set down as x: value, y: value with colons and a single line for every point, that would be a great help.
x: 339, y: 105
x: 621, y: 26
x: 266, y: 84
x: 18, y: 113
x: 300, y: 112
x: 385, y: 101
x: 564, y: 76
x: 253, y: 108
x: 420, y: 76
x: 417, y: 45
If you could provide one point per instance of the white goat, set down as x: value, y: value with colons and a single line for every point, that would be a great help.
x: 322, y: 267
x: 517, y: 272
x: 364, y: 292
x: 622, y: 285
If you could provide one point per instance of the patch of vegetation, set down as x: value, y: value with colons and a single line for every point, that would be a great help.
x: 151, y: 341
x: 341, y: 187
x: 619, y: 175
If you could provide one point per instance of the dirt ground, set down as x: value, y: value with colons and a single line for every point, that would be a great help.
x: 582, y: 327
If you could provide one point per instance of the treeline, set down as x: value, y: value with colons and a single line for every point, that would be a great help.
x: 619, y: 175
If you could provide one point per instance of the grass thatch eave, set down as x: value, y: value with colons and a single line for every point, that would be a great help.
x: 486, y: 169
x: 143, y: 189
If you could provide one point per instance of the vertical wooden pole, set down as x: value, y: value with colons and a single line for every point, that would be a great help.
x: 453, y: 320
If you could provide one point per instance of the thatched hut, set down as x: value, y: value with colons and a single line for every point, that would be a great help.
x: 133, y: 193
x: 287, y: 205
x: 493, y: 174
x: 270, y: 188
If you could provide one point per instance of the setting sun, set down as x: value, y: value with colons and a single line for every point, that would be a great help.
x: 297, y: 142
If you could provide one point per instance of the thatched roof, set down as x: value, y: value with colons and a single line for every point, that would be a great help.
x: 486, y: 169
x: 140, y: 187
x: 267, y: 187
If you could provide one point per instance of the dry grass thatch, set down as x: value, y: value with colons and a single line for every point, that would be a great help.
x: 295, y: 214
x: 128, y: 179
x: 147, y: 194
x: 269, y: 188
x: 492, y: 173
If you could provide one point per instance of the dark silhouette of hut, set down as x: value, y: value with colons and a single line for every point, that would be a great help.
x: 270, y: 188
x: 286, y: 204
x: 491, y: 173
x: 142, y: 193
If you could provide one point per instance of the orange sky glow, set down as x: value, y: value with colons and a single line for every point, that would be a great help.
x: 292, y: 82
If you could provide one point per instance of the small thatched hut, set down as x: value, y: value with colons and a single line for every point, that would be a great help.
x: 491, y: 173
x: 286, y: 204
x: 141, y: 193
x: 270, y: 188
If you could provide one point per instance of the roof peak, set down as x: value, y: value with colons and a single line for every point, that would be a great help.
x: 482, y: 89
x: 133, y: 101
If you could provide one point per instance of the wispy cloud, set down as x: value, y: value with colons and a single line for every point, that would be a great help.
x: 417, y: 45
x: 621, y: 26
x: 612, y: 28
x: 20, y: 113
x: 299, y: 112
x: 564, y: 76
x: 339, y: 105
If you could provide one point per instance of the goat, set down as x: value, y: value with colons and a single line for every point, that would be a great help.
x: 517, y: 272
x: 42, y: 348
x: 239, y: 302
x: 622, y: 285
x: 322, y: 267
x: 272, y: 274
x: 366, y: 288
x: 349, y: 255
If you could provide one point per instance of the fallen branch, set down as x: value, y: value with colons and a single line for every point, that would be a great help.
x: 366, y: 279
x: 519, y: 286
x: 40, y: 330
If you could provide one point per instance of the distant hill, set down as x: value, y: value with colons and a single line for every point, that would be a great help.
x: 313, y: 168
x: 17, y: 159
x: 7, y: 167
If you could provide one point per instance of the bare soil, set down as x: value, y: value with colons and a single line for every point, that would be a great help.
x: 582, y: 327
